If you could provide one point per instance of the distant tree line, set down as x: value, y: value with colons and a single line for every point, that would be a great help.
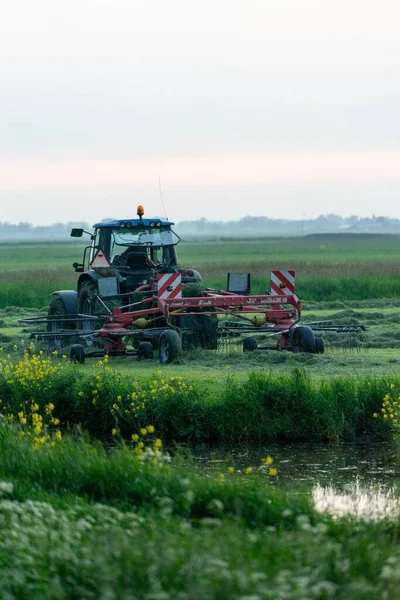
x: 203, y: 228
x: 264, y: 226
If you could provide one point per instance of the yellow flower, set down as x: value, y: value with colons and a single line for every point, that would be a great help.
x: 249, y: 470
x: 273, y: 471
x: 134, y: 437
x: 150, y: 429
x: 58, y: 436
x: 158, y: 444
x: 143, y: 431
x: 114, y: 431
x: 220, y: 477
x: 231, y: 469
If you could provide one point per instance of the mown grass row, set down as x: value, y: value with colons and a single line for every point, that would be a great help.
x: 80, y: 522
x: 264, y: 406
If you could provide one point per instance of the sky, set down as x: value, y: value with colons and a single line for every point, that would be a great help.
x: 279, y: 108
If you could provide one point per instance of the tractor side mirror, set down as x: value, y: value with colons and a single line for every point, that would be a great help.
x: 76, y: 232
x: 79, y: 268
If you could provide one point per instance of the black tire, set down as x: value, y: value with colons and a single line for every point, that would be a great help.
x: 87, y: 298
x: 319, y: 345
x: 57, y: 309
x: 145, y: 350
x: 77, y: 354
x: 250, y: 344
x: 304, y: 339
x: 169, y: 346
x: 88, y: 304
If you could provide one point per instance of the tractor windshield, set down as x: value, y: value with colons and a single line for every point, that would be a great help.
x: 153, y: 236
x: 154, y: 243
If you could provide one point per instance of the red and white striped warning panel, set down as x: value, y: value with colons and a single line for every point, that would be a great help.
x: 100, y: 260
x: 169, y: 285
x: 282, y: 282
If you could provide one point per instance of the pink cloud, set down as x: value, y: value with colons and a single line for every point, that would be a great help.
x: 40, y: 174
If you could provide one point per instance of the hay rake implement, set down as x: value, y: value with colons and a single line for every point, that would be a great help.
x: 132, y: 297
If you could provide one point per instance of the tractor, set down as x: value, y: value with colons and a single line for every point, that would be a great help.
x: 120, y: 267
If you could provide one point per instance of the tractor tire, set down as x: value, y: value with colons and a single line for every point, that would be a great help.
x: 250, y: 344
x: 87, y: 298
x: 319, y: 345
x: 77, y: 354
x: 88, y: 304
x: 145, y: 350
x: 57, y: 309
x: 169, y: 346
x: 304, y: 340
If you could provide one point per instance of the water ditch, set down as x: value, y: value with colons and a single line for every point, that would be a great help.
x: 359, y: 479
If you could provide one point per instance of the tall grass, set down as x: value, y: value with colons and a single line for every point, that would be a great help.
x: 265, y: 406
x: 83, y: 468
x: 337, y: 270
x: 170, y: 532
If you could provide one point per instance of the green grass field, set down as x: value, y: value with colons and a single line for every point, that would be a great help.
x: 335, y: 270
x: 86, y: 513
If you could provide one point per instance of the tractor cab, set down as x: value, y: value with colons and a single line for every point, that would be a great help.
x: 131, y: 244
x: 125, y: 255
x: 136, y: 244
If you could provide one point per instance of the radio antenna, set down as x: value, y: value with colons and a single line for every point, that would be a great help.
x: 161, y: 196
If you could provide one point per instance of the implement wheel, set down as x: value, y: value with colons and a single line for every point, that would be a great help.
x: 145, y: 350
x: 250, y: 344
x: 319, y: 345
x: 169, y: 346
x: 77, y: 354
x: 304, y: 340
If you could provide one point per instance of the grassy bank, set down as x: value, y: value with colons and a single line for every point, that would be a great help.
x: 261, y: 406
x: 78, y: 522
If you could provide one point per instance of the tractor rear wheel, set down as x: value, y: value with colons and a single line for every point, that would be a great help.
x: 250, y: 344
x: 304, y: 340
x: 169, y: 346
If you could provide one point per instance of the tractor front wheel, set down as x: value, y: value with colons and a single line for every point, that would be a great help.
x: 57, y: 326
x: 169, y: 346
x: 87, y: 298
x: 55, y: 313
